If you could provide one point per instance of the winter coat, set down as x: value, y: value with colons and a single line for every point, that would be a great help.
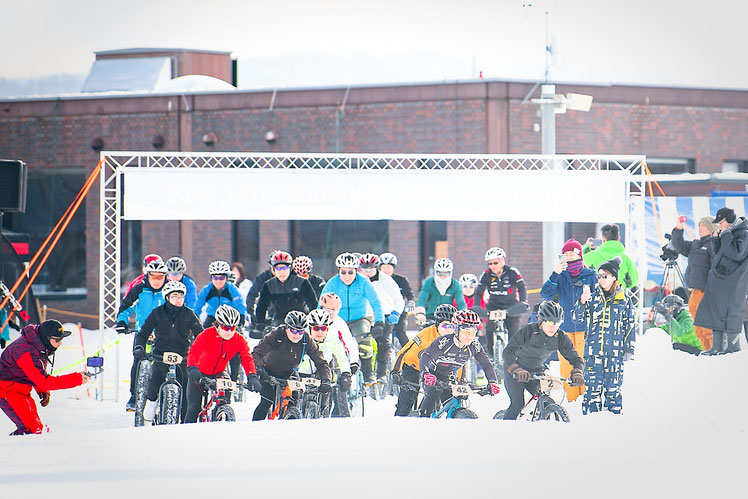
x: 318, y: 284
x: 254, y: 291
x: 404, y: 285
x: 23, y: 364
x: 699, y: 253
x: 174, y: 328
x: 331, y: 348
x: 530, y: 347
x: 723, y: 304
x: 280, y: 357
x: 410, y: 354
x: 445, y: 357
x: 388, y: 293
x: 566, y: 289
x: 681, y: 330
x: 355, y: 298
x: 211, y: 353
x: 214, y: 297
x: 609, y: 323
x: 295, y: 293
x: 429, y: 298
x: 141, y: 300
x: 350, y: 345
x: 628, y: 275
x: 504, y: 290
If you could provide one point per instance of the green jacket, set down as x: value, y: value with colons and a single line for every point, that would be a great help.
x: 628, y: 276
x: 681, y: 330
x: 430, y: 298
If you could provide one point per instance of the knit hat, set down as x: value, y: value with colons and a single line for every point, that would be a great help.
x: 725, y: 214
x: 611, y: 266
x: 572, y: 245
x: 707, y: 222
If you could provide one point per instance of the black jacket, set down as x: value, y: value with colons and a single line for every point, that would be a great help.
x: 174, y: 328
x: 530, y: 347
x: 280, y: 357
x: 254, y: 291
x: 405, y: 288
x: 699, y: 253
x: 504, y: 290
x: 318, y: 283
x: 295, y: 293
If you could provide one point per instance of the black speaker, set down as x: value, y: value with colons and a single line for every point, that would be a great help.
x: 12, y: 186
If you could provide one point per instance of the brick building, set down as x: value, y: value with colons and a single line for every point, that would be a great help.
x: 681, y: 130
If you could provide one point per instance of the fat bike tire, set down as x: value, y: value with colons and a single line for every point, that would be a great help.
x: 554, y: 412
x: 141, y: 387
x: 169, y: 410
x: 224, y: 412
x: 500, y: 414
x: 464, y: 413
x: 292, y: 413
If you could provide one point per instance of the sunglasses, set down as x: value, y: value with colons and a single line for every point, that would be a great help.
x: 551, y: 323
x: 157, y: 277
x: 469, y: 329
x: 443, y: 274
x: 56, y: 338
x: 320, y: 328
x: 218, y: 277
x: 227, y: 328
x: 346, y: 272
x: 448, y: 325
x: 297, y: 332
x: 281, y: 267
x: 604, y: 276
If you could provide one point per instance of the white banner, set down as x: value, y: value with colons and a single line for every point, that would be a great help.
x: 304, y: 194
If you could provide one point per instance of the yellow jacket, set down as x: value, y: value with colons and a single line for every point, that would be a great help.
x: 410, y: 354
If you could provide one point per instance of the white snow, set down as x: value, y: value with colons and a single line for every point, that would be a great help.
x: 682, y: 433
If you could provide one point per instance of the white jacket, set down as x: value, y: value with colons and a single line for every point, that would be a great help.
x: 331, y: 347
x: 388, y: 293
x: 340, y: 327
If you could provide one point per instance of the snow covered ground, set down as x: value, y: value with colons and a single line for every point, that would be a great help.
x: 682, y: 434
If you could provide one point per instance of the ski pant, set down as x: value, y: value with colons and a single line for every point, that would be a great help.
x: 21, y: 409
x: 158, y: 376
x: 510, y: 323
x: 603, y: 376
x: 572, y: 392
x: 406, y: 399
x: 704, y: 334
x: 384, y: 345
x: 195, y: 391
x: 516, y: 392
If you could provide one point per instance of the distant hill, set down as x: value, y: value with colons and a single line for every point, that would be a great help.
x: 45, y: 85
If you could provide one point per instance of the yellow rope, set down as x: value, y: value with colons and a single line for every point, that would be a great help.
x: 74, y: 314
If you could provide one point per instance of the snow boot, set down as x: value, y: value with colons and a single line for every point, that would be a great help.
x: 718, y: 347
x: 733, y: 343
x: 130, y: 405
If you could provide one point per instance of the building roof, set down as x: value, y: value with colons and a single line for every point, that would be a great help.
x: 151, y: 50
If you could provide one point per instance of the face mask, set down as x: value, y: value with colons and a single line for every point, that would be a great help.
x: 575, y: 267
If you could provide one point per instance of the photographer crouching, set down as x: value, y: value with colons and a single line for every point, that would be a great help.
x: 672, y: 316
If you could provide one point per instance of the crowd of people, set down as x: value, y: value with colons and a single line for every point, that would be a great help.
x: 331, y: 329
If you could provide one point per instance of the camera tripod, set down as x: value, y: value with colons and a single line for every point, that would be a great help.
x: 672, y: 270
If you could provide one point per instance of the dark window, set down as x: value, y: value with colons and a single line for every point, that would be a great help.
x: 671, y: 166
x: 433, y: 238
x: 735, y: 166
x: 247, y: 246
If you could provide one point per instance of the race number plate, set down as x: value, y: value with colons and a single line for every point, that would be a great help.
x: 460, y: 390
x: 295, y: 384
x: 311, y: 381
x: 225, y: 384
x: 172, y: 358
x: 497, y: 315
x: 548, y: 383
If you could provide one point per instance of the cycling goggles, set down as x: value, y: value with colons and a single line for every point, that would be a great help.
x: 297, y: 332
x: 218, y: 277
x: 348, y: 272
x: 448, y: 325
x: 551, y: 323
x: 469, y: 329
x: 227, y: 328
x: 282, y: 267
x: 320, y: 328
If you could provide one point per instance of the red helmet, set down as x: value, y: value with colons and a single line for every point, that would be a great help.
x: 369, y: 260
x: 466, y: 318
x: 280, y: 257
x: 302, y: 265
x: 150, y: 258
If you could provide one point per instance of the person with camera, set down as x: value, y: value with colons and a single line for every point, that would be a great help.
x: 699, y: 253
x: 722, y: 307
x: 23, y: 366
x: 673, y: 317
x: 611, y: 248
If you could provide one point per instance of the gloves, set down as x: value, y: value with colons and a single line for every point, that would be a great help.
x: 344, y: 381
x: 521, y: 375
x: 410, y: 307
x: 44, y: 397
x: 420, y: 316
x: 393, y: 318
x: 494, y: 388
x: 627, y: 356
x: 577, y: 377
x: 254, y: 383
x: 377, y: 330
x: 354, y: 367
x: 121, y: 327
x: 138, y: 352
x: 429, y: 379
x: 262, y: 374
x: 325, y: 387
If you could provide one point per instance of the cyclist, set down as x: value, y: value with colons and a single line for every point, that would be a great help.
x: 441, y: 288
x: 527, y: 351
x: 302, y: 266
x: 356, y: 292
x: 280, y: 353
x: 148, y: 259
x: 254, y: 291
x: 176, y: 268
x: 211, y: 352
x: 392, y: 304
x: 219, y: 292
x: 448, y: 354
x: 174, y: 326
x: 141, y: 300
x: 387, y: 264
x: 505, y: 288
x: 331, y: 302
x: 407, y: 363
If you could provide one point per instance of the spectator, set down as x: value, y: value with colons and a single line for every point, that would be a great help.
x: 674, y: 318
x: 608, y: 250
x: 242, y: 283
x: 722, y: 307
x: 699, y: 253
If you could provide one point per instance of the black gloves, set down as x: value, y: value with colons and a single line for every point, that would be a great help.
x: 44, y: 398
x: 325, y: 387
x: 121, y: 327
x: 354, y: 367
x: 138, y: 352
x: 377, y: 329
x: 577, y: 377
x: 254, y: 383
x: 344, y: 381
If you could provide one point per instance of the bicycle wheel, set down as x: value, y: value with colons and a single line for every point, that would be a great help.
x: 141, y: 386
x: 224, y: 412
x: 500, y: 414
x: 311, y: 410
x: 169, y: 406
x: 554, y: 412
x: 463, y: 413
x: 239, y: 392
x: 341, y: 403
x: 292, y: 413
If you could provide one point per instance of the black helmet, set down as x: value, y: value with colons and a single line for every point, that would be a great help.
x: 550, y: 311
x: 296, y: 320
x: 674, y: 303
x: 444, y: 312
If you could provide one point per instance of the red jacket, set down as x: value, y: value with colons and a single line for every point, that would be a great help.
x: 211, y: 353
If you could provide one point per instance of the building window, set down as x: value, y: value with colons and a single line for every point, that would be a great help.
x: 323, y: 240
x: 669, y: 166
x: 433, y: 245
x: 247, y: 246
x: 734, y: 166
x: 48, y: 195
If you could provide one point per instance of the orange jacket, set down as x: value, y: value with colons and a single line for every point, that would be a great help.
x: 410, y: 354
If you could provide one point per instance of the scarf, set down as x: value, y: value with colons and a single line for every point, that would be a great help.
x: 442, y: 283
x: 575, y: 267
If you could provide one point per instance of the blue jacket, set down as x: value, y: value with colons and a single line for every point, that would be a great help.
x: 354, y: 298
x: 190, y: 298
x: 569, y: 289
x: 141, y: 300
x: 213, y: 298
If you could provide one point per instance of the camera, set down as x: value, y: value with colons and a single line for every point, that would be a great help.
x: 668, y: 253
x: 97, y: 363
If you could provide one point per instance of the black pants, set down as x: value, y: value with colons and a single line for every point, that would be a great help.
x: 384, y: 345
x: 431, y: 395
x: 195, y: 391
x: 516, y: 391
x: 408, y: 396
x: 134, y: 376
x: 267, y: 397
x: 510, y: 323
x: 401, y: 328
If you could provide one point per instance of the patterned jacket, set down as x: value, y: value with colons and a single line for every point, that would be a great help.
x: 444, y: 357
x: 610, y: 323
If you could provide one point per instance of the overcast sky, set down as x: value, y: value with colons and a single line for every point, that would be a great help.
x: 310, y: 43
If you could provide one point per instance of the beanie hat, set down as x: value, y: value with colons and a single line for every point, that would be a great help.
x: 611, y: 266
x: 572, y: 245
x: 726, y: 214
x: 708, y: 223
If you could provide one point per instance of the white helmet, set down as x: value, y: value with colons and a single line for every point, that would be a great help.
x: 232, y: 277
x: 470, y: 280
x: 219, y: 267
x: 494, y: 253
x: 347, y: 260
x: 443, y: 265
x: 318, y: 317
x: 156, y: 266
x: 227, y: 315
x: 171, y: 287
x: 176, y: 265
x: 388, y: 259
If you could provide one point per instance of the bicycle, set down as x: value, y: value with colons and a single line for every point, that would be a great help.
x: 339, y: 398
x: 501, y: 335
x: 287, y: 401
x: 142, y: 377
x: 456, y: 407
x: 216, y: 402
x: 311, y: 398
x: 169, y: 404
x: 381, y: 389
x: 542, y: 407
